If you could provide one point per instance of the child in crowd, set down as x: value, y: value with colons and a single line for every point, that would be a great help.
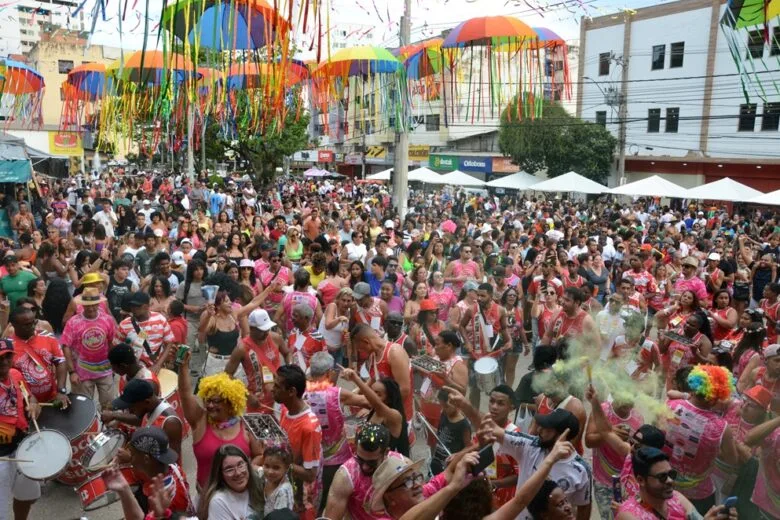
x: 454, y: 433
x: 276, y: 484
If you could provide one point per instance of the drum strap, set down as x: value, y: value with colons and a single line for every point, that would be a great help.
x: 158, y: 412
x: 147, y: 348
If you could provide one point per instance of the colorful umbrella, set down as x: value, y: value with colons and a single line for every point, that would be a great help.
x: 87, y: 82
x: 359, y: 61
x: 153, y: 68
x: 547, y: 38
x: 750, y: 13
x: 20, y: 78
x: 225, y: 25
x: 493, y: 30
x: 259, y: 75
x: 423, y: 59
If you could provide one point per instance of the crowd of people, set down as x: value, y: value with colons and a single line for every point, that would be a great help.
x: 385, y: 352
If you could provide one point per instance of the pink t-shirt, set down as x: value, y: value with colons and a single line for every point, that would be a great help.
x: 766, y: 494
x: 695, y: 285
x: 675, y: 509
x: 89, y: 341
x: 606, y: 461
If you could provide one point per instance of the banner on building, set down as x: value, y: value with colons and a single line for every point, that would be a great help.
x: 353, y: 158
x: 419, y: 152
x: 504, y: 165
x: 324, y: 156
x: 376, y: 152
x: 65, y: 143
x: 443, y: 162
x: 475, y: 164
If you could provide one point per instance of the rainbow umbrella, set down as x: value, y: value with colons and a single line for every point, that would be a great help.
x: 359, y: 61
x: 425, y: 59
x: 225, y: 25
x: 20, y: 78
x: 86, y: 82
x: 260, y: 75
x: 486, y: 30
x: 152, y: 68
x: 547, y: 38
x: 750, y: 13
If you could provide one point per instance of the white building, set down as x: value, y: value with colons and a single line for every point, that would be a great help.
x: 24, y: 21
x: 687, y: 117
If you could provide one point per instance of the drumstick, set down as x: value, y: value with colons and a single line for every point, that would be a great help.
x: 11, y: 459
x: 26, y: 398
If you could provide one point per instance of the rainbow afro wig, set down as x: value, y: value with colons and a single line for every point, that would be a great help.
x: 711, y: 382
x: 225, y: 387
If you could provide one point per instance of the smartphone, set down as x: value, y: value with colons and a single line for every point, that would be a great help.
x: 730, y: 503
x: 180, y: 353
x: 486, y: 458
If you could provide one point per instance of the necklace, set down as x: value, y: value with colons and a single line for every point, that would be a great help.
x: 224, y: 425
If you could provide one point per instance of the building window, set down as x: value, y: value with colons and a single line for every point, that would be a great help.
x: 654, y: 120
x: 659, y: 55
x: 601, y: 117
x: 771, y: 118
x: 747, y: 117
x: 755, y: 44
x: 677, y: 51
x: 432, y: 123
x: 774, y: 49
x: 604, y: 59
x: 64, y: 66
x: 672, y: 120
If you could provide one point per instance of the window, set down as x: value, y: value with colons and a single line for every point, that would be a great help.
x: 654, y: 120
x: 771, y: 118
x: 659, y: 55
x: 432, y: 123
x: 601, y: 117
x: 755, y: 44
x: 604, y: 59
x: 747, y: 117
x: 774, y: 49
x: 677, y: 51
x: 672, y: 120
x: 64, y: 66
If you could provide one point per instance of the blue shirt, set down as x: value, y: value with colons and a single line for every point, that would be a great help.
x: 375, y: 284
x: 215, y: 204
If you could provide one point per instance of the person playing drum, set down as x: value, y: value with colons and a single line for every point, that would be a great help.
x: 455, y: 375
x: 125, y: 364
x: 140, y: 400
x: 39, y: 359
x: 145, y: 330
x: 13, y: 427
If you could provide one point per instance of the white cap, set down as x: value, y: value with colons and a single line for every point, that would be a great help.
x: 147, y: 202
x: 178, y: 258
x: 389, y: 224
x: 158, y: 233
x: 245, y: 262
x: 714, y: 256
x: 185, y: 241
x: 259, y: 319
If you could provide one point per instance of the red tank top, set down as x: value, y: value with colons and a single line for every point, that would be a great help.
x: 260, y: 364
x: 381, y: 368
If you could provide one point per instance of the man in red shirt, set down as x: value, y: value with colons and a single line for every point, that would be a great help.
x: 305, y: 437
x: 304, y: 341
x: 177, y: 322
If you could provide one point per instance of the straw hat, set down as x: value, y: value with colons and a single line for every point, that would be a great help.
x: 386, y: 474
x: 89, y: 296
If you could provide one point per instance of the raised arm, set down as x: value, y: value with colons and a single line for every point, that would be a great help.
x: 193, y: 411
x: 393, y: 419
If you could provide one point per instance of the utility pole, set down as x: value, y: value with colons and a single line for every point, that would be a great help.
x: 401, y: 163
x: 622, y: 62
x: 190, y: 151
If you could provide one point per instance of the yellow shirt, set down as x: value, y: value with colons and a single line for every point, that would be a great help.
x: 314, y: 279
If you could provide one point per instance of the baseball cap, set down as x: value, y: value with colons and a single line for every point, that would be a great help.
x: 153, y: 442
x: 758, y: 394
x: 649, y: 435
x: 147, y: 202
x: 10, y: 259
x: 137, y: 299
x: 247, y: 263
x: 6, y: 346
x: 470, y: 285
x: 395, y: 317
x: 389, y: 224
x: 135, y: 391
x: 772, y: 351
x: 559, y: 420
x: 185, y: 241
x: 714, y: 256
x: 259, y: 319
x: 428, y: 305
x: 361, y: 290
x: 178, y: 258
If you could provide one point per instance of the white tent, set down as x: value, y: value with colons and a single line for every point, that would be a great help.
x: 723, y: 189
x: 570, y: 182
x: 424, y: 175
x: 771, y: 199
x: 654, y: 186
x: 458, y: 178
x: 516, y: 181
x: 384, y: 175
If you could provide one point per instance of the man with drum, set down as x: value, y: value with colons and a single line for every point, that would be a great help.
x: 261, y: 354
x: 145, y: 330
x: 13, y: 428
x: 86, y: 340
x: 485, y: 333
x: 140, y: 400
x: 572, y: 322
x: 39, y: 358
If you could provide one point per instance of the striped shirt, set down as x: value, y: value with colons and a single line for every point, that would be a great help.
x: 155, y: 331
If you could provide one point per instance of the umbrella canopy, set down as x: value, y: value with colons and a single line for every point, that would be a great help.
x: 654, y: 186
x: 20, y: 78
x: 423, y: 59
x: 495, y: 30
x: 516, y: 181
x: 547, y: 38
x: 358, y: 61
x: 750, y: 13
x: 723, y: 189
x: 570, y: 182
x: 88, y: 81
x: 384, y: 175
x: 458, y: 178
x: 258, y: 75
x: 771, y: 199
x: 150, y: 67
x: 225, y: 25
x: 316, y: 172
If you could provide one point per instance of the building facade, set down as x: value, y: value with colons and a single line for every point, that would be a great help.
x: 683, y: 83
x: 25, y: 22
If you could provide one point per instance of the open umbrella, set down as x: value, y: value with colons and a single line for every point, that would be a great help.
x: 153, y: 68
x: 21, y: 90
x: 358, y: 61
x: 88, y: 81
x: 225, y: 25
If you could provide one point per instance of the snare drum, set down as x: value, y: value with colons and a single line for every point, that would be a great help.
x: 48, y: 452
x: 101, y: 450
x: 487, y: 374
x: 79, y: 423
x: 169, y: 390
x: 94, y: 494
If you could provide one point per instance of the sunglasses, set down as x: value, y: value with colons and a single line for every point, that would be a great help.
x: 373, y: 464
x: 666, y: 475
x: 413, y: 480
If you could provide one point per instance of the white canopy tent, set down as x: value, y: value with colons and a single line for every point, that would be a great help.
x: 570, y: 182
x: 424, y: 175
x: 458, y: 178
x: 654, y: 186
x: 516, y: 181
x: 770, y: 199
x: 723, y: 189
x: 384, y: 175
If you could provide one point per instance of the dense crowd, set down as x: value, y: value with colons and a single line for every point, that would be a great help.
x: 329, y: 359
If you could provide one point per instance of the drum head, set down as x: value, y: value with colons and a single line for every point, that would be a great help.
x: 486, y: 365
x: 72, y: 422
x: 48, y: 452
x: 101, y: 449
x: 169, y: 381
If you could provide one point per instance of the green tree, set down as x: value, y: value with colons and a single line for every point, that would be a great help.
x: 556, y: 142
